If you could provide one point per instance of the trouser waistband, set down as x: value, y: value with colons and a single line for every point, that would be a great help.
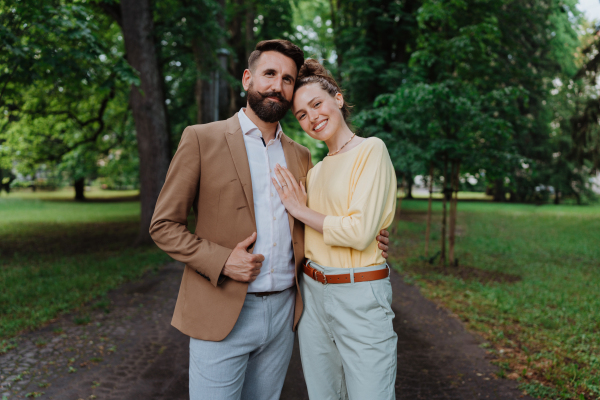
x: 263, y: 294
x: 330, y: 275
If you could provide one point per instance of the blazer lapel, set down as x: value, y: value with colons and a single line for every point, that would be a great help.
x: 293, y: 164
x: 235, y: 141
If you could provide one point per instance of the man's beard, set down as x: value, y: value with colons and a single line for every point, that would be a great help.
x: 268, y: 110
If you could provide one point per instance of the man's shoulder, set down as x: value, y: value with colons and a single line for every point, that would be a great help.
x: 212, y: 132
x: 208, y: 129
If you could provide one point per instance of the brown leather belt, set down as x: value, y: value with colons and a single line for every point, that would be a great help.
x: 263, y: 294
x: 345, y: 278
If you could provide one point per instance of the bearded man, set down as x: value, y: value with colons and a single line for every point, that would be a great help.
x: 239, y: 300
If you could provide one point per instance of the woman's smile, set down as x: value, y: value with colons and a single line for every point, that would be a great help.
x: 320, y: 126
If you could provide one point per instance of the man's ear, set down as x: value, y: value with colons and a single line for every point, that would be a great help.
x: 246, y: 78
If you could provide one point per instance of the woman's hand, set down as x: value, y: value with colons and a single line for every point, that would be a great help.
x: 292, y: 195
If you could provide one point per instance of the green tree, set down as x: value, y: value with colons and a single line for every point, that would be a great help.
x: 466, y: 103
x: 61, y: 92
x: 373, y: 42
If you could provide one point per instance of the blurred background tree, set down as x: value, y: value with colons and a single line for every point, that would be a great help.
x: 501, y: 92
x: 63, y: 90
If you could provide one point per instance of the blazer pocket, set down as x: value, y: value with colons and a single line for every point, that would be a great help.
x: 231, y: 197
x: 232, y: 210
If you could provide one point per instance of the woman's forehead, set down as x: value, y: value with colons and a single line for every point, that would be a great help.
x: 306, y: 93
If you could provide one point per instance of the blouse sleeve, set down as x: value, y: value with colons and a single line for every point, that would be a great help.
x: 372, y: 203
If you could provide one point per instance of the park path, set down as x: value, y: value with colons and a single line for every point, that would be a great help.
x: 132, y: 352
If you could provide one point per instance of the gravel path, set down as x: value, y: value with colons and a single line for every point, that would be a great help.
x: 132, y: 352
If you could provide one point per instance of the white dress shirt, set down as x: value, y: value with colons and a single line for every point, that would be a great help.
x: 274, y: 240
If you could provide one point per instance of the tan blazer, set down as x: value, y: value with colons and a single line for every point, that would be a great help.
x: 210, y: 173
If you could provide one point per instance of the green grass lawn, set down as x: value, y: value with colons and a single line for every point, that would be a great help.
x: 92, y: 193
x: 461, y: 196
x: 528, y: 281
x: 56, y: 255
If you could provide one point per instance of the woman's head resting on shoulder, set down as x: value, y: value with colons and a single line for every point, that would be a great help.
x: 318, y: 102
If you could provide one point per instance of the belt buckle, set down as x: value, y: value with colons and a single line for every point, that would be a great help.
x: 315, y: 272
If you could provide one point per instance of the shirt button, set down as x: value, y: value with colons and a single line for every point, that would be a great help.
x: 274, y: 218
x: 272, y: 270
x: 271, y: 194
x: 274, y: 244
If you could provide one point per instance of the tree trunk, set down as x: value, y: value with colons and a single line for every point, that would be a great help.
x: 204, y: 90
x: 399, y: 189
x: 445, y: 200
x: 249, y: 27
x: 409, y: 184
x: 200, y: 86
x: 428, y: 230
x: 556, y: 197
x: 205, y: 58
x: 453, y: 207
x: 451, y: 230
x: 499, y: 193
x: 148, y: 107
x: 198, y: 95
x: 334, y: 6
x: 79, y: 189
x: 221, y: 86
x: 5, y: 184
x: 236, y: 62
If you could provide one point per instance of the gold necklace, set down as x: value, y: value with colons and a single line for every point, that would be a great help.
x: 340, y: 149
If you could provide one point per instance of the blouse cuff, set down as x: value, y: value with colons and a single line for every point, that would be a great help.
x: 330, y: 224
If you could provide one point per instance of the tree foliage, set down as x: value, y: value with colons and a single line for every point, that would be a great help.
x: 499, y: 84
x: 64, y: 99
x: 510, y: 53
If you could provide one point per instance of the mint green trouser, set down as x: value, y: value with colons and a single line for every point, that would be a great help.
x: 347, y: 340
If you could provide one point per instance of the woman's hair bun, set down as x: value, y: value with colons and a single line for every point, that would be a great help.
x: 312, y: 67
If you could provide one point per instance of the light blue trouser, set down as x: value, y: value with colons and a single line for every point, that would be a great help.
x: 347, y: 341
x: 252, y: 361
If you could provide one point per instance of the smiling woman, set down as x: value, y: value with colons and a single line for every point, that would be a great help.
x: 322, y: 113
x: 349, y: 197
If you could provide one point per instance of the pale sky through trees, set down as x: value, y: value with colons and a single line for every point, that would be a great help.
x: 591, y: 8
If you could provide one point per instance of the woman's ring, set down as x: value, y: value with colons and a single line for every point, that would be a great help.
x: 284, y: 185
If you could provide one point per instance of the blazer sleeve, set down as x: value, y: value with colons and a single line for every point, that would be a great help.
x: 372, y: 205
x: 169, y: 222
x: 310, y: 163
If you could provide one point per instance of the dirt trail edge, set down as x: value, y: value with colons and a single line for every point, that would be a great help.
x: 128, y: 350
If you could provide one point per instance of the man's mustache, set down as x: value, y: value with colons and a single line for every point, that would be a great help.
x: 277, y: 95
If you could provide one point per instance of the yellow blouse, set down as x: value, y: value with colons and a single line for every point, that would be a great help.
x: 357, y: 192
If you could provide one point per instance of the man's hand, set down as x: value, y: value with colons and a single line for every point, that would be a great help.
x: 242, y: 266
x: 384, y: 240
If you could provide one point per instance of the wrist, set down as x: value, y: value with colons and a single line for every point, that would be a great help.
x: 225, y: 270
x: 296, y: 211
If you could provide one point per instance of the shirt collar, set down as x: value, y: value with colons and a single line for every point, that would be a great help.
x: 249, y: 128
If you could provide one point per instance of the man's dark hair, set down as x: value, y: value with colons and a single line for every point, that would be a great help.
x: 284, y: 47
